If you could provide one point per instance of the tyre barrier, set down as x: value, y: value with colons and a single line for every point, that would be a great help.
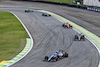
x: 95, y: 40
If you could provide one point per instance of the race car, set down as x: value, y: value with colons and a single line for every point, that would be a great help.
x: 28, y: 10
x: 58, y: 55
x: 79, y: 37
x: 46, y: 14
x: 66, y: 25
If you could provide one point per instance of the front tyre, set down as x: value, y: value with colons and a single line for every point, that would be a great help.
x: 66, y: 54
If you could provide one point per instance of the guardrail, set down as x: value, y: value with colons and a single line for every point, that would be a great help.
x: 93, y: 8
x: 67, y: 4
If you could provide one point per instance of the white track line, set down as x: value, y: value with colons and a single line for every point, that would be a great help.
x: 77, y: 32
x: 32, y: 39
x: 32, y: 42
x: 86, y: 38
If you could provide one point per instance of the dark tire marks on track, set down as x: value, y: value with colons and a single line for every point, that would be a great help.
x: 49, y: 36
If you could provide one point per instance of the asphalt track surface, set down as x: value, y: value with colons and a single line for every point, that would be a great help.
x: 49, y: 35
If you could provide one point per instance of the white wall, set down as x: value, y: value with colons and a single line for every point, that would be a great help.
x: 92, y: 2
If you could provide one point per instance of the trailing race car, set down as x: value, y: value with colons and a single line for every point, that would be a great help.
x: 66, y: 25
x: 58, y: 55
x: 28, y: 10
x: 46, y: 14
x: 79, y: 37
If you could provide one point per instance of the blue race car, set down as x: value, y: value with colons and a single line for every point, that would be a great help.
x: 46, y: 14
x: 58, y: 55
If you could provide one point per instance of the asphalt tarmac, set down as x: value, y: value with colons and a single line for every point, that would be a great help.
x: 49, y: 35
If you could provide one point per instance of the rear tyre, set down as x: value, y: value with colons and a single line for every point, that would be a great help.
x: 63, y: 25
x: 46, y: 57
x: 83, y: 38
x: 25, y: 10
x: 49, y: 15
x: 43, y: 14
x: 71, y: 27
x: 56, y: 59
x: 76, y: 38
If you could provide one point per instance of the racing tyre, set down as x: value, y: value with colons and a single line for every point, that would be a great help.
x: 42, y: 14
x: 25, y: 11
x: 71, y: 27
x: 66, y: 54
x: 55, y: 59
x: 46, y: 57
x: 76, y: 38
x: 83, y: 38
x: 49, y: 15
x: 63, y: 25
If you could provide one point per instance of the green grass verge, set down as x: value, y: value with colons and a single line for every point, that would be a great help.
x: 11, y: 34
x: 63, y: 1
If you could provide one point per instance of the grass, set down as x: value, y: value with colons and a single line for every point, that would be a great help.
x: 11, y: 33
x: 63, y: 1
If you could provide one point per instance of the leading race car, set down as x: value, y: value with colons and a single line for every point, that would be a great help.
x: 46, y: 14
x: 66, y: 25
x: 79, y: 37
x: 28, y: 10
x: 58, y: 55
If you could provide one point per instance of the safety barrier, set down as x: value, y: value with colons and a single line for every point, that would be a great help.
x: 87, y: 7
x: 92, y: 8
x: 67, y: 4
